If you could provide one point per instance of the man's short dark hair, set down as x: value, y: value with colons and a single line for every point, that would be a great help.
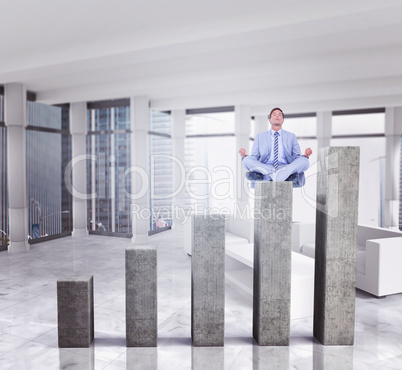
x: 270, y: 114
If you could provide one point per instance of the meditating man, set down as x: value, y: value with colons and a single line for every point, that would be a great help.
x: 276, y: 155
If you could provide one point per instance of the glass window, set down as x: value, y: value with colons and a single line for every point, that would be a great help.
x: 47, y: 154
x: 352, y: 124
x: 372, y: 171
x: 110, y: 210
x: 211, y: 123
x: 400, y: 189
x: 210, y: 162
x: 301, y: 126
x: 3, y: 180
x: 304, y: 199
x: 161, y: 169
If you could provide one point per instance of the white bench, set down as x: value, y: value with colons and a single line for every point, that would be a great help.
x: 239, y: 271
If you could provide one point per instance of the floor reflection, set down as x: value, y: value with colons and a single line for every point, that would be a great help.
x: 142, y: 358
x: 211, y: 358
x: 85, y: 360
x: 270, y: 358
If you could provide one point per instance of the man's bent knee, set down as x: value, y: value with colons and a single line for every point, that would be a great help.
x: 247, y: 162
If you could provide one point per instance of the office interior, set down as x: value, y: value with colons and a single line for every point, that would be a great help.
x: 117, y: 120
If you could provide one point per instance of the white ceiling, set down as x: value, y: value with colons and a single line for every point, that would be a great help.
x: 301, y: 55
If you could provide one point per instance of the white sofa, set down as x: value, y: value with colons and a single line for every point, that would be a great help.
x: 379, y: 256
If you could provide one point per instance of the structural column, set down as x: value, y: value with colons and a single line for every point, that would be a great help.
x: 208, y: 280
x: 15, y: 117
x: 178, y: 138
x: 272, y: 262
x: 140, y: 212
x: 78, y: 129
x: 324, y: 129
x: 261, y: 124
x: 393, y: 132
x: 336, y: 243
x: 242, y: 227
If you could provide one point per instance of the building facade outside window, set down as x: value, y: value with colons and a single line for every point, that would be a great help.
x: 160, y: 169
x: 4, y: 229
x: 48, y: 151
x: 108, y: 142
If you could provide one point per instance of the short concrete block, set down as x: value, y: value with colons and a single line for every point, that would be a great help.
x: 141, y: 296
x: 272, y: 263
x: 336, y: 244
x: 208, y: 281
x: 75, y: 311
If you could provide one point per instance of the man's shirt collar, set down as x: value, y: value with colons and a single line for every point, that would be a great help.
x: 272, y: 132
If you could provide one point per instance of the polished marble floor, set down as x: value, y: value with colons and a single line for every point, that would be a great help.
x: 28, y: 317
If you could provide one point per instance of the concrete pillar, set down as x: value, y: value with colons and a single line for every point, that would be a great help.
x: 178, y: 139
x: 141, y: 296
x: 78, y: 129
x: 139, y: 116
x: 324, y: 129
x: 75, y: 311
x: 208, y: 281
x: 393, y: 132
x: 261, y: 124
x: 336, y: 243
x: 272, y: 263
x: 15, y: 118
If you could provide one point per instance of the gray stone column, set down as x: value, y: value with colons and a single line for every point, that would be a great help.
x: 208, y: 281
x: 15, y: 117
x: 75, y: 311
x: 79, y: 129
x: 272, y: 262
x: 336, y: 241
x: 141, y: 296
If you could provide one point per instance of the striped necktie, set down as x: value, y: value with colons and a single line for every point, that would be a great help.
x: 276, y: 165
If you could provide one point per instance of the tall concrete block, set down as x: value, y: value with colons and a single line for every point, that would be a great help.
x: 75, y: 311
x: 208, y: 280
x: 141, y: 296
x: 272, y: 262
x: 336, y: 241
